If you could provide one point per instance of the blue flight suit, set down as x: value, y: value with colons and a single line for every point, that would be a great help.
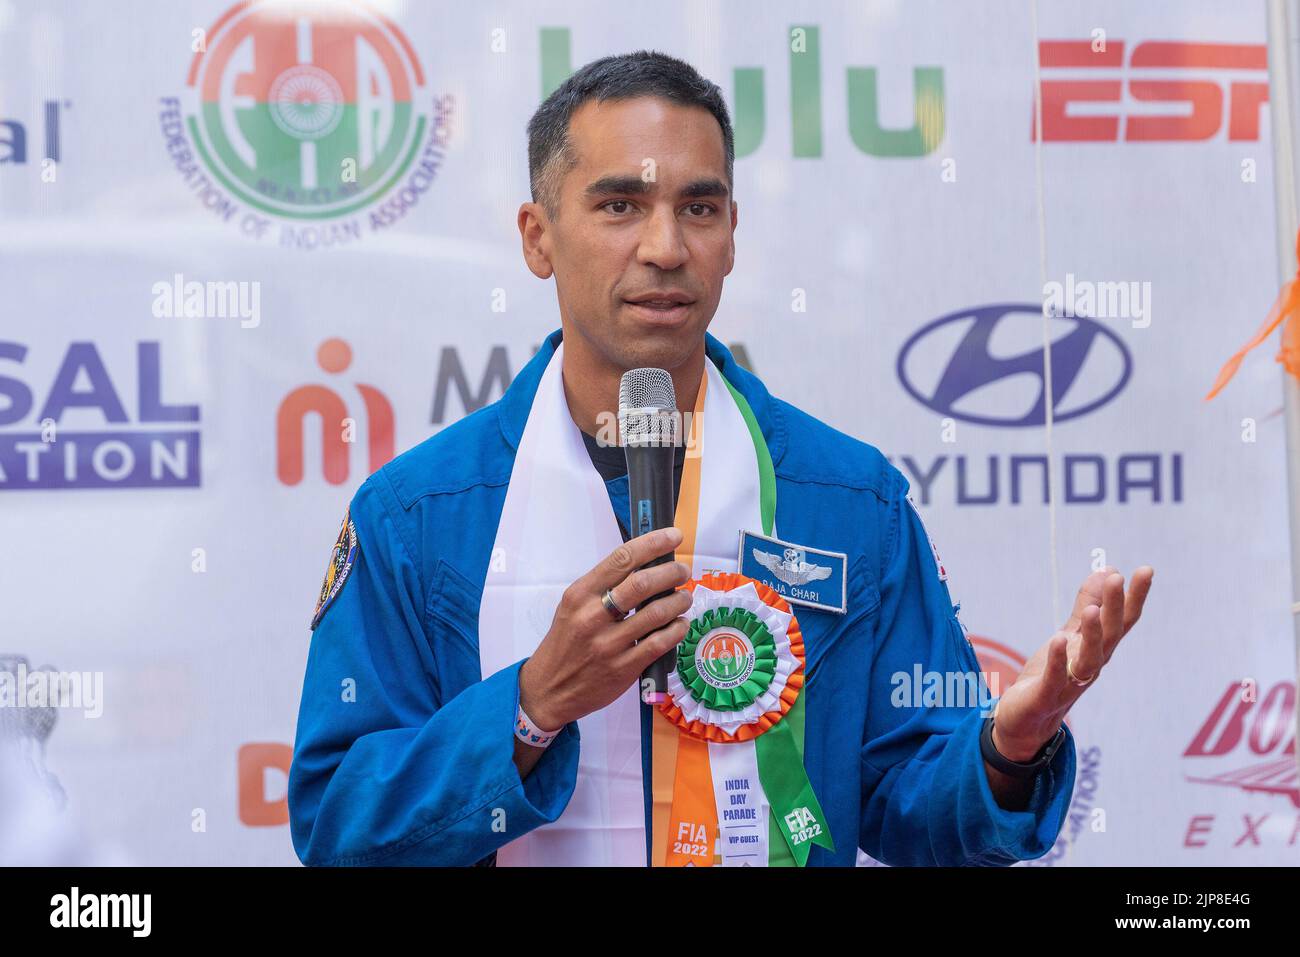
x: 404, y: 754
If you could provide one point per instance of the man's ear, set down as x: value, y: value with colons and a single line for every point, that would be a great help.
x: 533, y: 226
x: 731, y: 255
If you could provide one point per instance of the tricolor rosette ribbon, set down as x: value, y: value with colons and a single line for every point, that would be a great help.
x: 739, y: 674
x: 740, y: 667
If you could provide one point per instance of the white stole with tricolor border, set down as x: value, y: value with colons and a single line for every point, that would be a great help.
x: 556, y: 524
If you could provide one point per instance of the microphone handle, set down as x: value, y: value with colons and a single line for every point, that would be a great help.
x: 654, y: 680
x: 651, y: 502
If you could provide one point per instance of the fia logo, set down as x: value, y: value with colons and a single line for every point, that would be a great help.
x: 799, y: 818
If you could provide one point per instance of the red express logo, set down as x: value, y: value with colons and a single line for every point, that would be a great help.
x: 1162, y: 91
x: 1248, y: 742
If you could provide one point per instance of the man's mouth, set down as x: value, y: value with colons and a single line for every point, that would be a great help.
x: 668, y: 306
x: 658, y: 303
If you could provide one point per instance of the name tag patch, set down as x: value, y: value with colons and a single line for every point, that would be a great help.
x: 812, y: 577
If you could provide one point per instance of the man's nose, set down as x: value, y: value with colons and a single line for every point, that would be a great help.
x: 662, y: 243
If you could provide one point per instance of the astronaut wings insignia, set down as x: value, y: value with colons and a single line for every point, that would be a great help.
x: 784, y: 567
x: 791, y: 567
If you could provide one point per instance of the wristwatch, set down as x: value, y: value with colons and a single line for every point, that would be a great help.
x: 1017, y: 769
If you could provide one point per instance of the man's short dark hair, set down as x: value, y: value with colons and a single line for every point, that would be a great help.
x: 643, y: 73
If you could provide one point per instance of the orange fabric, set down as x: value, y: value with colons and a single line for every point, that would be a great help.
x: 688, y: 496
x: 663, y: 762
x: 664, y: 734
x: 1286, y: 306
x: 693, y: 825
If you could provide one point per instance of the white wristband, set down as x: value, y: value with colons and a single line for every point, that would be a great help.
x: 528, y: 732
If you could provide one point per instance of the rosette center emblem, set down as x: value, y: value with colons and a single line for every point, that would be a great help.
x: 724, y: 659
x: 740, y: 666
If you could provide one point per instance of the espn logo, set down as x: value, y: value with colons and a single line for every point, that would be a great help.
x: 1192, y: 86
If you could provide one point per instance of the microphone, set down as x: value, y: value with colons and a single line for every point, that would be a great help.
x: 649, y: 431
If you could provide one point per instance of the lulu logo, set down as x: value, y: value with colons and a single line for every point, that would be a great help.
x: 1198, y: 82
x: 258, y: 764
x: 338, y: 429
x: 861, y: 98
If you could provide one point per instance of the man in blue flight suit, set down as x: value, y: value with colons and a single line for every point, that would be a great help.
x: 406, y: 754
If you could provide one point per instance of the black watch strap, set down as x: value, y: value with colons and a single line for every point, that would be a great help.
x: 1017, y: 769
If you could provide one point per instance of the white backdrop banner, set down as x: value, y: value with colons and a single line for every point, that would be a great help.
x: 199, y: 277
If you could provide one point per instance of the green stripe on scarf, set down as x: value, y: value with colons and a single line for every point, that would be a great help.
x: 780, y: 750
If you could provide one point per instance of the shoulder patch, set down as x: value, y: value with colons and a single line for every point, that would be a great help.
x: 340, y: 565
x: 943, y: 574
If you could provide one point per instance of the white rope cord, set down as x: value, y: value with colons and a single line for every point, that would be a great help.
x: 1047, y: 341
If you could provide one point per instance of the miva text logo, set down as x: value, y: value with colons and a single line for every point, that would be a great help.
x: 298, y: 117
x: 88, y: 429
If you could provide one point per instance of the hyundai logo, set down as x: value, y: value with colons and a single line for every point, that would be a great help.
x: 985, y: 365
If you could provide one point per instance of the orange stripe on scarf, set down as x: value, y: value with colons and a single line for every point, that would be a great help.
x: 664, y: 737
x: 693, y: 824
x: 663, y: 756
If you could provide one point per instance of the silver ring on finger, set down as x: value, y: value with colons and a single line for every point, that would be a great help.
x: 607, y: 599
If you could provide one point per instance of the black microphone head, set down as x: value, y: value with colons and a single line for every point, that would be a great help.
x: 647, y: 408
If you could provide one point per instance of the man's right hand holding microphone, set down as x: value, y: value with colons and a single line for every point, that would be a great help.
x: 590, y: 656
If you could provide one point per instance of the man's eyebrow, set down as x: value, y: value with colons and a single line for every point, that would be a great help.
x: 636, y: 186
x: 706, y: 187
x: 613, y: 185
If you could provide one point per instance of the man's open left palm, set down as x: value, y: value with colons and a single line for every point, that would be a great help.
x: 1028, y: 714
